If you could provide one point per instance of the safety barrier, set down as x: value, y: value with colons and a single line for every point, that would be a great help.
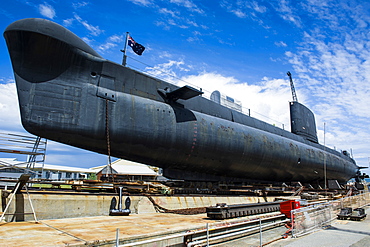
x: 212, y: 233
x: 318, y: 216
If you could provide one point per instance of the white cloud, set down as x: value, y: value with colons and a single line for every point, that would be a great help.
x: 106, y: 46
x: 267, y: 100
x: 192, y: 39
x: 112, y: 42
x: 236, y: 10
x: 165, y: 54
x: 47, y: 10
x: 9, y: 109
x: 94, y: 30
x: 244, y: 9
x: 79, y: 5
x: 239, y: 13
x: 189, y: 5
x: 192, y: 23
x: 68, y: 22
x: 281, y: 44
x: 288, y: 13
x: 333, y: 65
x: 258, y: 8
x: 169, y: 12
x: 167, y: 71
x: 116, y: 38
x: 178, y: 21
x: 145, y: 3
x: 172, y: 22
x: 162, y: 24
x: 88, y: 41
x: 57, y: 154
x: 177, y: 18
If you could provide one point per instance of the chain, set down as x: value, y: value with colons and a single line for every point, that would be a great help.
x: 108, y: 137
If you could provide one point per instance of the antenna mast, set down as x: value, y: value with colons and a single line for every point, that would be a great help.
x: 292, y: 87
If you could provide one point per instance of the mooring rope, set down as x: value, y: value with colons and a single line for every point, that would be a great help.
x: 187, y: 211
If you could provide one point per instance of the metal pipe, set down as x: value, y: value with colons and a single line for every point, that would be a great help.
x: 292, y: 221
x: 120, y: 199
x: 117, y: 237
x: 155, y: 239
x: 324, y: 161
x: 10, y: 200
x: 124, y: 50
x: 232, y: 230
x: 260, y: 233
x: 197, y: 231
x: 207, y: 235
x: 31, y: 205
x: 236, y: 233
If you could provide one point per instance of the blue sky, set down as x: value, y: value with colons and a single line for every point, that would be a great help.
x: 241, y: 48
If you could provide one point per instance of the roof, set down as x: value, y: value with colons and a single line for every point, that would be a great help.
x: 125, y: 167
x: 23, y: 164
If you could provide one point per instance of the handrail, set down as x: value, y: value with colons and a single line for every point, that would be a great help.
x: 203, y: 230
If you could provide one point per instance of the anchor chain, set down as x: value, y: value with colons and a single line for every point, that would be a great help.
x: 108, y: 138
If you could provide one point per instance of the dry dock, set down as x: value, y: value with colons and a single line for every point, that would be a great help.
x: 145, y: 228
x: 101, y: 230
x: 341, y: 233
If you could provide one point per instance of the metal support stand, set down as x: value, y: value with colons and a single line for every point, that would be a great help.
x: 20, y: 184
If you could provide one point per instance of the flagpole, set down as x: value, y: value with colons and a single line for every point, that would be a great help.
x: 324, y: 160
x: 124, y: 50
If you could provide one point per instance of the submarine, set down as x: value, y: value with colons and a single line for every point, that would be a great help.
x: 68, y: 93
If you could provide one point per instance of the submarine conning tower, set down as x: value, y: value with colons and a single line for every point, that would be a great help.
x: 302, y: 121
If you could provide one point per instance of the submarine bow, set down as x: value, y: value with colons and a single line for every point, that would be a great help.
x: 70, y: 94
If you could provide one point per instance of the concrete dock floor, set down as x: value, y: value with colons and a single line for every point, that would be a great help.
x: 79, y: 231
x: 342, y: 233
x: 101, y: 229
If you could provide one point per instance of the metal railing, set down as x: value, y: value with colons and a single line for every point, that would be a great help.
x: 212, y: 233
x: 32, y: 146
x: 316, y: 217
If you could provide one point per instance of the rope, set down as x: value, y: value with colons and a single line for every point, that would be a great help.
x: 186, y: 211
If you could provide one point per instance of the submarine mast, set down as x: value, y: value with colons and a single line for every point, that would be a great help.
x: 295, y: 98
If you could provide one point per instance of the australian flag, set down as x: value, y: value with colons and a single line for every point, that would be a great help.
x: 136, y: 47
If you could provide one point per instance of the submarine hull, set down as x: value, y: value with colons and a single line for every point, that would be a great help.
x: 70, y: 94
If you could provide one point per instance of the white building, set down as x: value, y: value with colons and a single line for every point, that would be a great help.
x: 12, y: 168
x: 125, y: 170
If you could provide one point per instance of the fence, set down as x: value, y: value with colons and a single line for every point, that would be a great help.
x: 316, y: 217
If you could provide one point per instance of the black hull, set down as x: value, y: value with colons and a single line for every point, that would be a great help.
x: 68, y: 93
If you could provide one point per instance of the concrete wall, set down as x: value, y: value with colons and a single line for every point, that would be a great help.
x: 57, y: 206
